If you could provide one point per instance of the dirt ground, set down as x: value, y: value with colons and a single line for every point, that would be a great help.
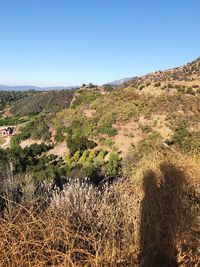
x: 59, y: 150
x: 29, y: 142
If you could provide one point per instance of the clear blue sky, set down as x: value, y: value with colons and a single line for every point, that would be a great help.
x: 70, y: 42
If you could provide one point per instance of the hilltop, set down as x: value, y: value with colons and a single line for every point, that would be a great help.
x: 185, y: 76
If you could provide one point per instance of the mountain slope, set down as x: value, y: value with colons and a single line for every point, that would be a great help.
x: 186, y: 75
x: 121, y: 81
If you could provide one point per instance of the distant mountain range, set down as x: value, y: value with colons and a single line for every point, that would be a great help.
x: 31, y: 87
x: 188, y: 73
x: 121, y: 81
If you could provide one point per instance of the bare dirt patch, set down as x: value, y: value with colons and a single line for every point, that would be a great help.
x: 59, y: 150
x: 30, y: 142
x: 158, y: 123
x: 131, y: 132
x: 127, y: 134
x: 89, y: 113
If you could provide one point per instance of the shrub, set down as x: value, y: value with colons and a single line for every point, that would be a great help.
x: 145, y: 128
x: 76, y: 156
x: 68, y: 159
x: 79, y: 143
x: 158, y: 84
x: 85, y: 97
x: 106, y: 142
x: 112, y: 167
x: 2, y: 141
x: 190, y: 91
x: 84, y: 156
x: 181, y: 90
x: 141, y: 87
x: 185, y: 140
x: 100, y: 156
x: 15, y: 141
x: 59, y: 137
x: 107, y: 128
x: 91, y: 156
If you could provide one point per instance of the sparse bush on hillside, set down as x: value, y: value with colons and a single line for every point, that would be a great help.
x: 106, y: 142
x: 2, y: 141
x: 141, y: 87
x: 170, y: 85
x: 107, y: 87
x: 85, y: 97
x: 59, y: 137
x: 158, y: 84
x: 37, y: 128
x: 185, y: 140
x: 181, y: 90
x: 107, y: 128
x: 15, y: 141
x: 190, y: 91
x: 148, y: 83
x: 112, y: 167
x: 146, y: 128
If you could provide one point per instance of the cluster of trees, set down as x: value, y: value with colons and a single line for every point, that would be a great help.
x: 36, y: 128
x: 24, y: 160
x: 45, y: 102
x: 7, y: 97
x: 29, y: 172
x: 95, y: 164
x: 12, y: 121
x: 85, y: 97
x: 107, y: 128
x: 76, y: 140
x: 48, y: 172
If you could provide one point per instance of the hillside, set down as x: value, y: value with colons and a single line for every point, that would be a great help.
x: 136, y: 119
x: 103, y: 175
x: 186, y: 77
x: 43, y: 102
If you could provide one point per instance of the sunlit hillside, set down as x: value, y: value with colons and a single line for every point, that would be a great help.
x: 102, y: 175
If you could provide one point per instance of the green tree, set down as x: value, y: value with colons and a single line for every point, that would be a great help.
x: 112, y: 167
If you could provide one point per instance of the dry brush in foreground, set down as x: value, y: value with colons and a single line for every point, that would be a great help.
x: 149, y: 218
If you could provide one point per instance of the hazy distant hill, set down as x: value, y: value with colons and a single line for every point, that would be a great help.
x: 121, y: 81
x: 30, y: 87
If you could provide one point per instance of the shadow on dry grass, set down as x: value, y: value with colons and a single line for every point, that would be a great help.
x: 146, y: 222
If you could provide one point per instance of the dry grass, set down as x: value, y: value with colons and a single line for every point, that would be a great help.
x: 150, y: 218
x: 2, y: 140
